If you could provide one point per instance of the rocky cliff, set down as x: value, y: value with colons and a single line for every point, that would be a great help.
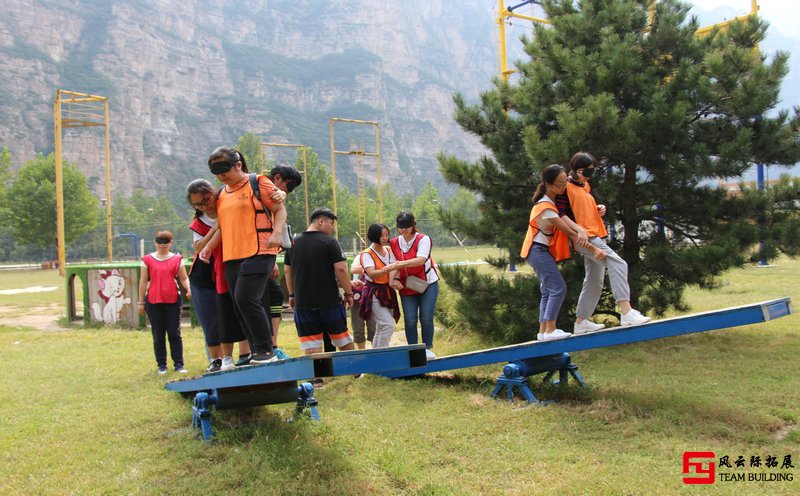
x: 185, y: 77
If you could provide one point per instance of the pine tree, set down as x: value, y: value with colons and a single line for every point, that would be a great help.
x: 668, y: 113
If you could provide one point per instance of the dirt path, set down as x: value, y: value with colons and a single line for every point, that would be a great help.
x: 42, y: 318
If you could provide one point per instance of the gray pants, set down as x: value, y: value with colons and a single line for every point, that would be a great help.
x: 384, y: 324
x: 595, y: 274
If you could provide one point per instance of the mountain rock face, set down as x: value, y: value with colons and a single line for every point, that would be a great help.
x: 185, y: 77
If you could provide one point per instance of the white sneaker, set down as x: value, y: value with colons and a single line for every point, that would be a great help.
x: 429, y: 354
x: 633, y: 318
x: 587, y: 326
x: 556, y: 334
x: 227, y: 363
x: 539, y: 337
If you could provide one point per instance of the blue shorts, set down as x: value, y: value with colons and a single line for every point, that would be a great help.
x: 314, y: 323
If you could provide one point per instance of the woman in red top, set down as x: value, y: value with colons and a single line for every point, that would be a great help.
x: 159, y: 298
x: 412, y: 250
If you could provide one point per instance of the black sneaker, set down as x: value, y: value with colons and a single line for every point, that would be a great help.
x: 263, y: 357
x: 244, y: 360
x: 215, y: 365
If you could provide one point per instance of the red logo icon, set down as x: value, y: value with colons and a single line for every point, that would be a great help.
x: 695, y: 469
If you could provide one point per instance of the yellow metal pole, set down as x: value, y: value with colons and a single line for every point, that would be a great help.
x: 109, y: 238
x: 333, y: 178
x: 501, y: 25
x: 378, y: 153
x: 62, y: 257
x: 305, y: 180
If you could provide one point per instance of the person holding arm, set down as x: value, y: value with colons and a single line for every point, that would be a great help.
x: 160, y: 300
x: 379, y: 302
x: 251, y: 231
x: 412, y: 250
x: 546, y: 244
x: 577, y: 206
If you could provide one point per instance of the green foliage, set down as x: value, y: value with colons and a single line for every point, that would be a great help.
x: 317, y: 181
x: 32, y: 203
x: 249, y: 145
x: 666, y: 112
x: 143, y: 215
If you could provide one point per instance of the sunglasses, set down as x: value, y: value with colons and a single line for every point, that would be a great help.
x: 221, y: 167
x: 163, y: 241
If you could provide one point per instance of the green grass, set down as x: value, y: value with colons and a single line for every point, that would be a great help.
x: 85, y: 413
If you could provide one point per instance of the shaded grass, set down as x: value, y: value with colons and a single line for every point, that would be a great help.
x: 85, y: 413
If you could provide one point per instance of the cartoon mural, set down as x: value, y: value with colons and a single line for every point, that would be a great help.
x: 112, y: 292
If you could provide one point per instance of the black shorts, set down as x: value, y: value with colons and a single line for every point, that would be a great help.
x: 313, y: 324
x: 273, y: 298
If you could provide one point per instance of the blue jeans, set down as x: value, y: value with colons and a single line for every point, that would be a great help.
x: 421, y: 305
x: 204, y: 302
x: 551, y: 283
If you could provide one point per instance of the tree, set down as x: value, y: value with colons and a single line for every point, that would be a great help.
x: 667, y: 112
x: 249, y: 145
x: 32, y: 203
x: 6, y: 238
x: 142, y: 215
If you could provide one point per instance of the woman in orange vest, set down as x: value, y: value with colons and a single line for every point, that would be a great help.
x: 578, y: 205
x: 378, y: 299
x: 545, y: 244
x: 251, y: 231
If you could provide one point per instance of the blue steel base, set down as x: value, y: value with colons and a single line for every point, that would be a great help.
x: 515, y: 375
x: 204, y: 402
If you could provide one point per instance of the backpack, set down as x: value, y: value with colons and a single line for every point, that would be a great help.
x: 287, y: 240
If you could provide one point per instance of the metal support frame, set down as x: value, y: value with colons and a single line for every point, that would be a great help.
x: 515, y: 375
x: 362, y: 153
x: 262, y: 151
x: 204, y: 402
x: 73, y: 109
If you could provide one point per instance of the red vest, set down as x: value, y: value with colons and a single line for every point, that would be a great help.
x: 202, y: 229
x: 418, y: 271
x: 163, y: 288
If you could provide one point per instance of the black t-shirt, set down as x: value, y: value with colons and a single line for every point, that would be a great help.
x: 311, y: 258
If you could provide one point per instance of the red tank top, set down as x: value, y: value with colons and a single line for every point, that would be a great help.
x: 163, y: 288
x: 418, y: 271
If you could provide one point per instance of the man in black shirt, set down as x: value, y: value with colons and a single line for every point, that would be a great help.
x: 315, y: 268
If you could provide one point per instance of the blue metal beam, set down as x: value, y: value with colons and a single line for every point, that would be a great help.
x: 687, y: 324
x: 307, y: 367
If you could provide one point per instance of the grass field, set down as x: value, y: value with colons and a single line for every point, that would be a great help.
x: 85, y: 413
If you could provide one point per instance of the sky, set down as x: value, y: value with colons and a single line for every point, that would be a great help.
x: 783, y: 15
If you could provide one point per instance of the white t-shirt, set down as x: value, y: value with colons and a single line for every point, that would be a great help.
x: 423, y: 250
x: 386, y: 257
x: 205, y: 219
x: 544, y: 223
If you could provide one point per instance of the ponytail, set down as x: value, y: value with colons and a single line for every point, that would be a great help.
x: 539, y: 192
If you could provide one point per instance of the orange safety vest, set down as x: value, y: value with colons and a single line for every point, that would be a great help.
x: 245, y: 223
x: 585, y: 209
x: 379, y: 264
x: 559, y: 241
